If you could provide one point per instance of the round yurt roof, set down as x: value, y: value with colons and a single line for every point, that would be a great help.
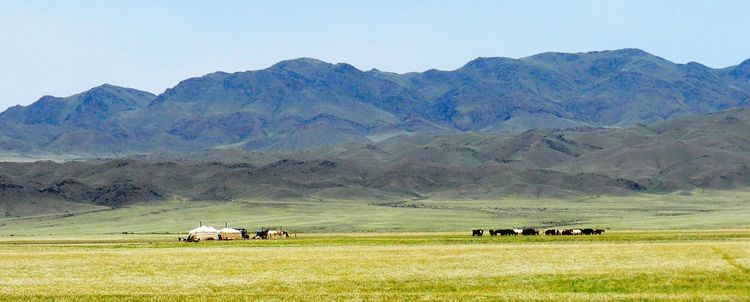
x: 229, y: 230
x: 204, y: 229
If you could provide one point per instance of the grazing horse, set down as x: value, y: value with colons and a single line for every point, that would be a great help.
x: 598, y: 231
x: 478, y: 232
x: 528, y: 232
x: 278, y: 233
x: 588, y: 231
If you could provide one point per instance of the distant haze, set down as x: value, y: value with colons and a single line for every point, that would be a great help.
x: 62, y: 48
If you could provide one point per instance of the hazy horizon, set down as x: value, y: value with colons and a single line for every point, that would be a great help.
x: 65, y: 48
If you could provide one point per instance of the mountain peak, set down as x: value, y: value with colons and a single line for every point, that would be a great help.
x: 742, y: 70
x: 298, y: 63
x: 633, y: 52
x: 104, y: 88
x: 745, y: 66
x: 623, y: 52
x: 106, y: 85
x: 113, y: 90
x: 484, y: 62
x: 552, y: 57
x: 98, y: 103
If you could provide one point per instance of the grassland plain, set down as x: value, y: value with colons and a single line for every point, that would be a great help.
x: 685, y: 210
x: 675, y: 247
x: 620, y: 265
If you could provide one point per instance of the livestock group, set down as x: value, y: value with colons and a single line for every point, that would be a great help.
x: 205, y: 232
x: 268, y: 234
x: 532, y: 232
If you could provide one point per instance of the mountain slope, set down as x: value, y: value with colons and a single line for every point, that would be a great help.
x: 690, y: 153
x: 292, y: 98
x: 306, y: 103
x: 79, y: 124
x: 84, y: 109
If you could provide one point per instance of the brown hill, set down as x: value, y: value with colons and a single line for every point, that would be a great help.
x: 711, y: 151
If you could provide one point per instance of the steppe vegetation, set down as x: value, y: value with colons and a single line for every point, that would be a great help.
x: 621, y: 265
x: 686, y: 210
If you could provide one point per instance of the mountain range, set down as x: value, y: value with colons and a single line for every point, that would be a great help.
x: 306, y: 103
x: 681, y: 155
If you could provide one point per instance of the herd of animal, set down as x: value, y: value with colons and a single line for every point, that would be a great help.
x: 269, y: 234
x: 205, y: 233
x: 531, y: 232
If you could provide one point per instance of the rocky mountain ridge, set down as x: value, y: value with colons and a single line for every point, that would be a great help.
x: 307, y: 103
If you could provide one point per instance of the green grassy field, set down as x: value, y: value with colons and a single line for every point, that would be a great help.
x: 695, y: 210
x: 689, y: 246
x: 620, y: 265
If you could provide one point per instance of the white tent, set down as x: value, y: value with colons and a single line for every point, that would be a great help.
x: 203, y: 233
x: 230, y: 234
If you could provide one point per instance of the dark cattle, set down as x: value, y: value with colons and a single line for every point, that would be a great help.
x: 528, y: 232
x: 492, y: 233
x: 552, y: 232
x: 261, y: 234
x: 587, y: 231
x: 244, y: 233
x: 506, y: 232
x: 567, y: 232
x: 598, y: 231
x: 478, y: 232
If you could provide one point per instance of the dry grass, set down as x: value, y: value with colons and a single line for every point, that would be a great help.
x: 380, y: 267
x: 697, y: 210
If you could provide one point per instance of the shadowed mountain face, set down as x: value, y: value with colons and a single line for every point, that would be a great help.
x: 307, y: 103
x: 699, y: 152
x: 79, y: 124
x: 85, y: 109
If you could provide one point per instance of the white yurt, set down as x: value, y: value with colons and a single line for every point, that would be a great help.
x: 203, y: 232
x: 230, y: 234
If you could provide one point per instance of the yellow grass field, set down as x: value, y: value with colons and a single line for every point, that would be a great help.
x: 632, y: 265
x: 686, y: 210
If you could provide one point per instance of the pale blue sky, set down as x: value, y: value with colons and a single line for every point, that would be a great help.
x: 64, y: 47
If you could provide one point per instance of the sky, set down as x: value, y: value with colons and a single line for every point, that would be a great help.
x: 62, y: 47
